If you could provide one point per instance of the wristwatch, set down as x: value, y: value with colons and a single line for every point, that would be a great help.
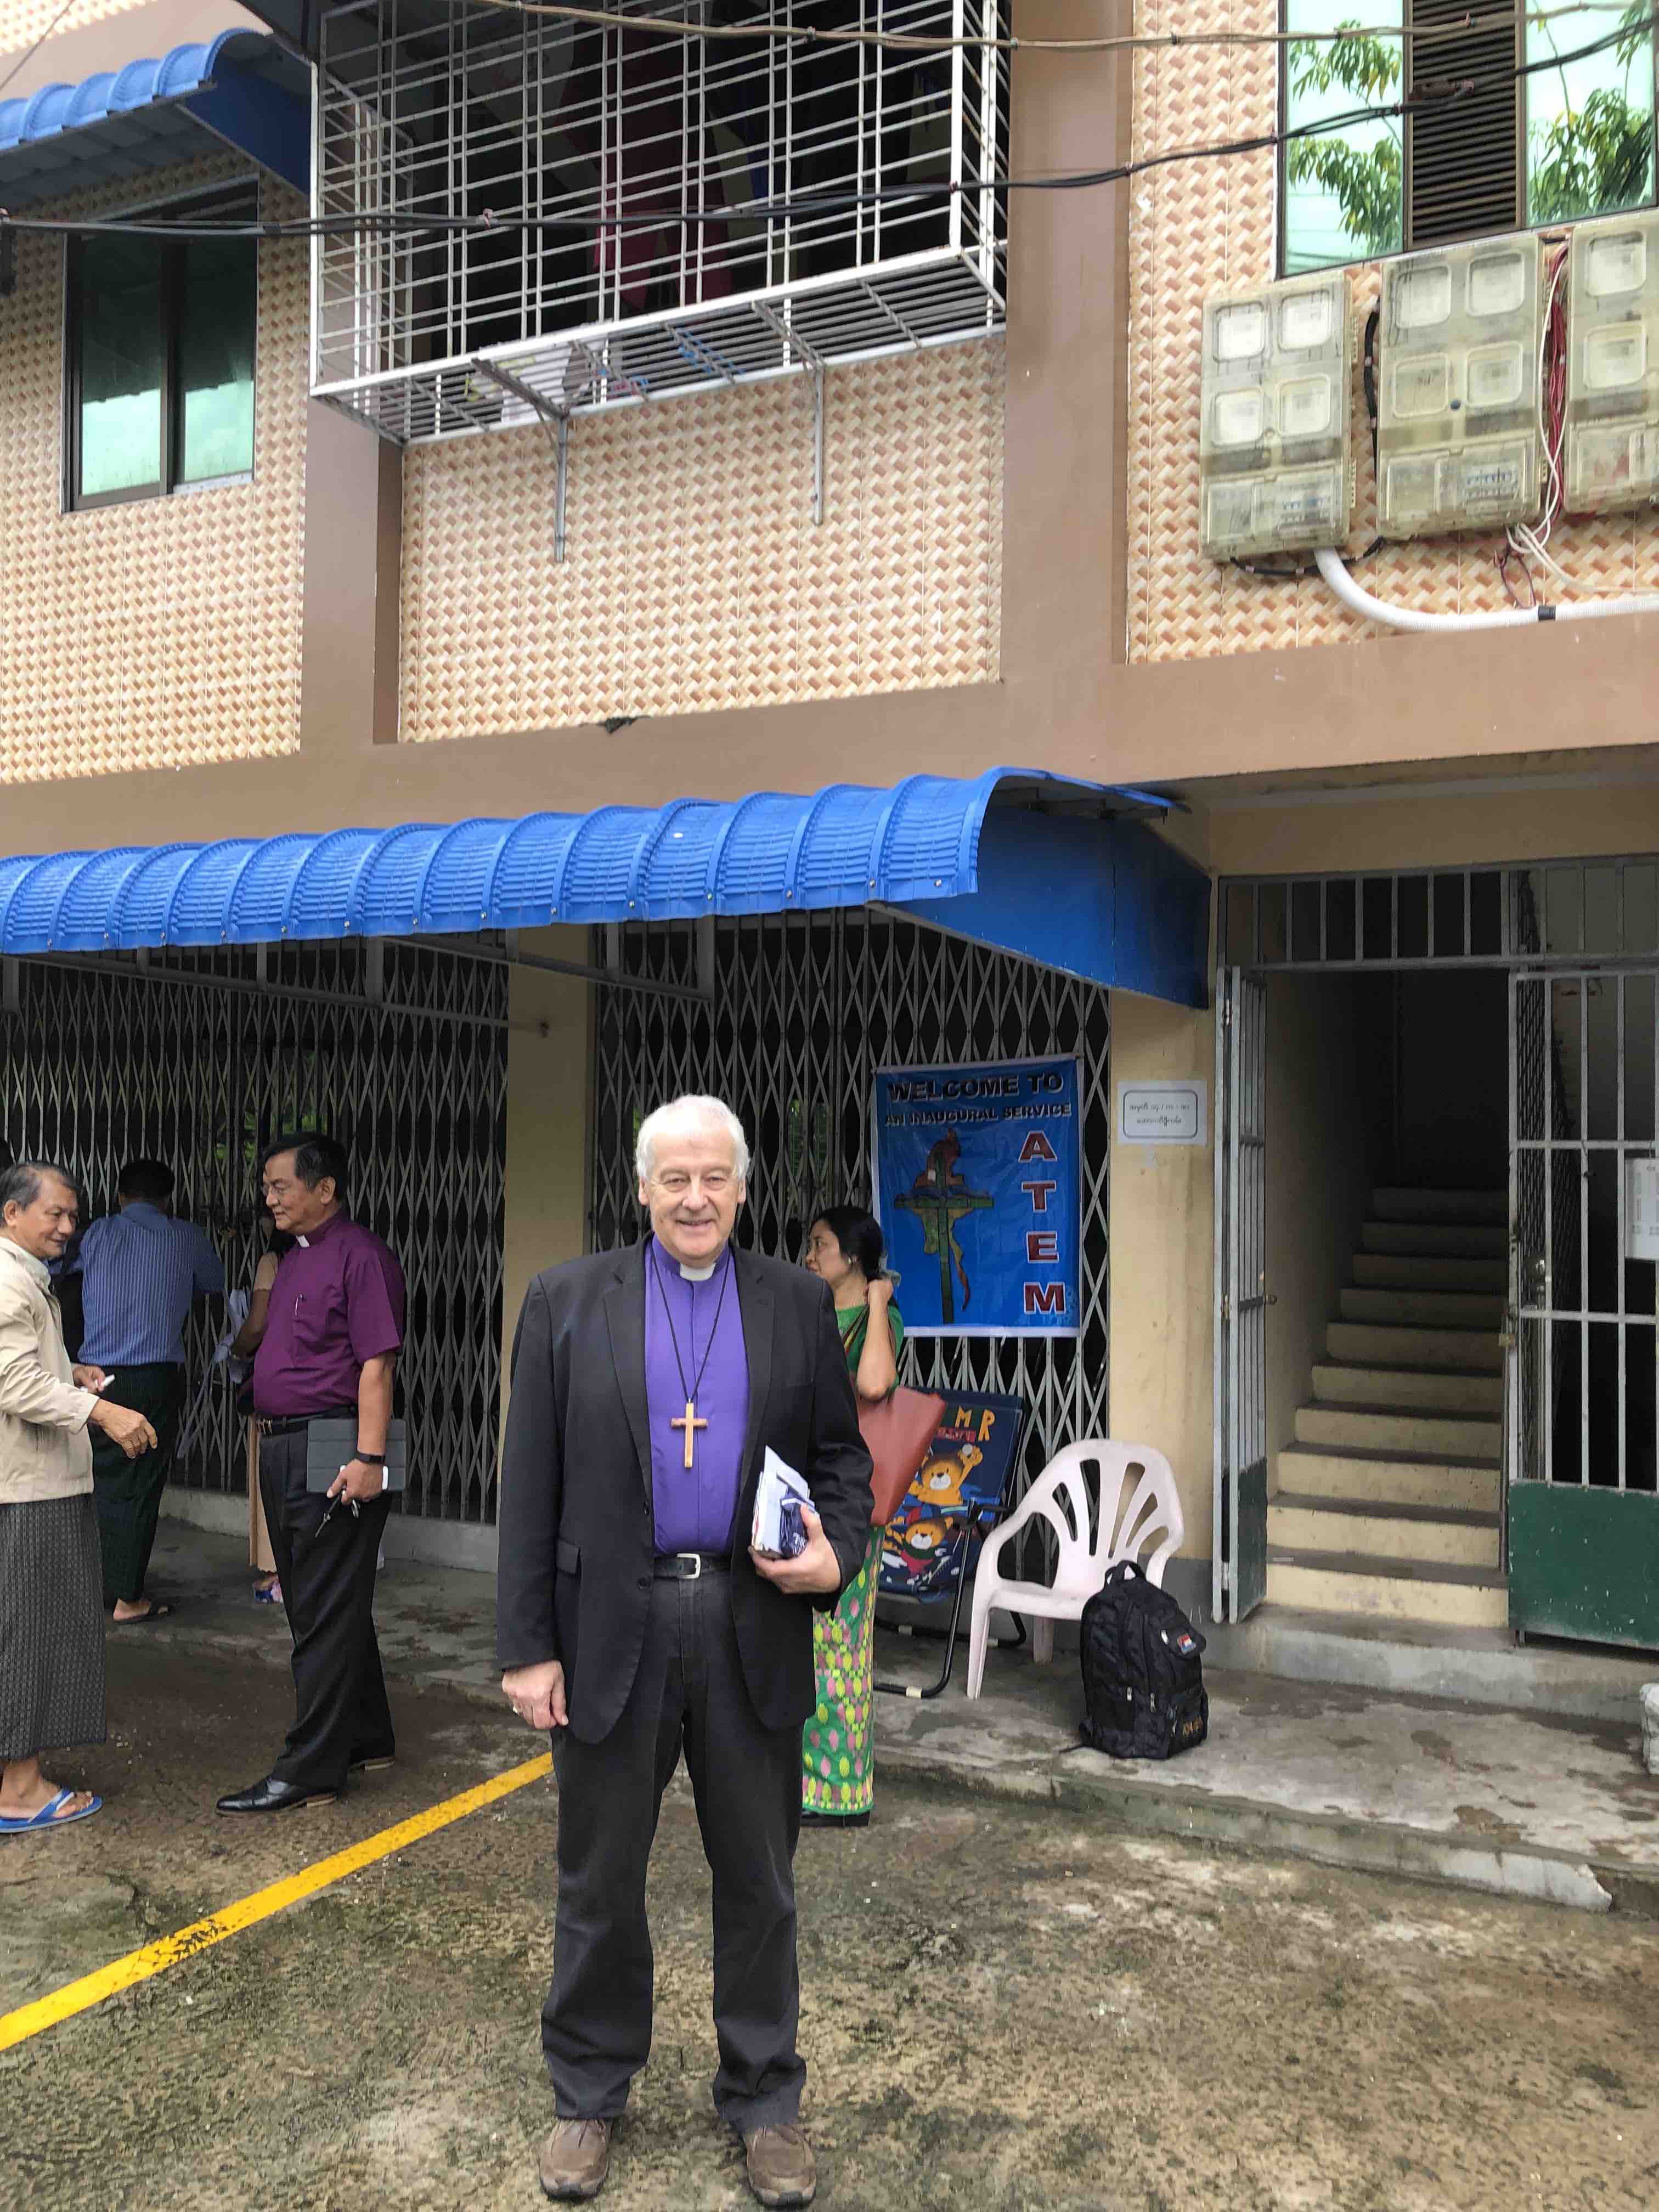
x: 378, y: 1459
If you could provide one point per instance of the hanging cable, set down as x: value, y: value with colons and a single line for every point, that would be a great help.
x: 1468, y: 25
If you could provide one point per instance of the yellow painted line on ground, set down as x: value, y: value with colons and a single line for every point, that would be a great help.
x: 185, y: 1943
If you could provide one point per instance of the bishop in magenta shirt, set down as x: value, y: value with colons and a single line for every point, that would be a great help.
x: 338, y: 1302
x: 695, y: 1348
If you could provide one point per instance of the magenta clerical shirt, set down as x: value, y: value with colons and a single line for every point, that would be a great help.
x: 695, y: 1506
x: 338, y: 1302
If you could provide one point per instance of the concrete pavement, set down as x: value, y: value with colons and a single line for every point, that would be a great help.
x: 1524, y: 1803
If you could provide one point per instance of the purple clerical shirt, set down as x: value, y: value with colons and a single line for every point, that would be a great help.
x: 338, y: 1302
x: 695, y: 1506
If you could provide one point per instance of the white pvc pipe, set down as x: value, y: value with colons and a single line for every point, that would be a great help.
x: 1351, y: 594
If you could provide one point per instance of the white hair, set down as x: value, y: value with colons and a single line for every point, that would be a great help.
x: 697, y: 1110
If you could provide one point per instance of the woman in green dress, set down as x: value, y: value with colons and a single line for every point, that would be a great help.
x: 838, y: 1775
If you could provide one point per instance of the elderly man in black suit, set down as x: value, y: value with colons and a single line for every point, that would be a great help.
x: 635, y: 1620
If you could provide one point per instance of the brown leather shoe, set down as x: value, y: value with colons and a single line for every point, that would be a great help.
x: 781, y: 2167
x: 574, y: 2161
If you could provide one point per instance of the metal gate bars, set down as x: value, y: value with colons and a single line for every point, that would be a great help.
x: 797, y: 1011
x: 399, y: 1051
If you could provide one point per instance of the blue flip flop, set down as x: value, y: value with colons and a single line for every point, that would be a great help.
x: 48, y: 1816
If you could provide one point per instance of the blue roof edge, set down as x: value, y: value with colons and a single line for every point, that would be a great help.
x: 204, y: 78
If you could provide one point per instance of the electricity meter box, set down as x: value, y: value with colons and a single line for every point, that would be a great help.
x: 1275, y: 474
x: 1611, y: 457
x: 1458, y: 443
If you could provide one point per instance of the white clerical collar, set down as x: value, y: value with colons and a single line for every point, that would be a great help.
x: 696, y: 1274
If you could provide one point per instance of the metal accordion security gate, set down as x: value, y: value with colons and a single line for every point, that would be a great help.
x: 398, y: 1050
x: 786, y: 1016
x: 1239, y: 1492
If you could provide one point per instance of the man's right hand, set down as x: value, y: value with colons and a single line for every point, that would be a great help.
x: 537, y: 1694
x: 123, y: 1426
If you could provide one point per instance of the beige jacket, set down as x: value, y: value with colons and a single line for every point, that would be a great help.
x: 45, y: 1448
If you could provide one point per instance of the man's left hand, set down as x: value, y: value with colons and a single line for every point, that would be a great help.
x: 357, y: 1480
x: 90, y: 1378
x: 810, y: 1573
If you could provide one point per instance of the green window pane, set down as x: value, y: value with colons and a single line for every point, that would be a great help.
x: 217, y: 306
x: 1589, y: 123
x: 118, y: 326
x: 1344, y: 195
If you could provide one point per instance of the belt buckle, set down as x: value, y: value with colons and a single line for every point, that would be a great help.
x: 695, y: 1573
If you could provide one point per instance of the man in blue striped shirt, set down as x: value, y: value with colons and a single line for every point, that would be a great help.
x: 141, y: 1270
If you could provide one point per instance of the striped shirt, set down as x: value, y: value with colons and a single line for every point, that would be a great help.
x: 140, y: 1270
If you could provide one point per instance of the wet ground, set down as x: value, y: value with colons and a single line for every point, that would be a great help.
x: 1006, y: 2004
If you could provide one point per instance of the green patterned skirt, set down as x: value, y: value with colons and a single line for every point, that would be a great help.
x: 838, y: 1749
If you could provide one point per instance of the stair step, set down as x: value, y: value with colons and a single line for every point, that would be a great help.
x: 1364, y: 1478
x: 1391, y: 1428
x: 1429, y: 1271
x: 1416, y: 1390
x: 1407, y: 1535
x: 1469, y: 1240
x: 1425, y: 1309
x: 1458, y: 1206
x: 1383, y: 1344
x: 1360, y: 1583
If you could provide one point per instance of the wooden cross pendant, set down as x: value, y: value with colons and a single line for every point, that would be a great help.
x: 688, y: 1422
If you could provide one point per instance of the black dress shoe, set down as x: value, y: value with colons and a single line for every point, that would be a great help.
x: 273, y: 1796
x: 370, y: 1762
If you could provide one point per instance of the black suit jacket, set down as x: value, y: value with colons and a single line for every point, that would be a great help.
x: 577, y: 1523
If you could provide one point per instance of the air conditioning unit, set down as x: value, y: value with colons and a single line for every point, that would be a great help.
x: 1459, y: 445
x: 1611, y: 457
x: 1275, y: 471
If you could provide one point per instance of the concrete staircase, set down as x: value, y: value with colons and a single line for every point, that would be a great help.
x: 1387, y: 1500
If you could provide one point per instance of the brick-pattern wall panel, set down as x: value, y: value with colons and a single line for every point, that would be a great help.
x: 161, y: 633
x: 1203, y: 226
x: 23, y: 21
x: 695, y: 577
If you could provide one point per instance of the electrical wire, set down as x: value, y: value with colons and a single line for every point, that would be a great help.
x: 29, y: 52
x: 377, y: 222
x: 1470, y: 25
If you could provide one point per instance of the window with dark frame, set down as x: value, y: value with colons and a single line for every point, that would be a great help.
x: 1546, y: 132
x: 160, y: 360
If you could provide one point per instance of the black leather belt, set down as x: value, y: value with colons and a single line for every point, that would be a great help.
x: 686, y: 1566
x: 292, y: 1424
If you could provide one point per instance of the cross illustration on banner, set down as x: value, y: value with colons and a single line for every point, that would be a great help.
x: 939, y: 1198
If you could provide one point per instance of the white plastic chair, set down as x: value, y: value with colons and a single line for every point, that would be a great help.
x: 1089, y: 1543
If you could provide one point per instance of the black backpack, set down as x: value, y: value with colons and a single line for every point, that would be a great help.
x: 1143, y: 1682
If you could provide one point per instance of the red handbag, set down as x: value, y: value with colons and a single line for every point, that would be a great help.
x: 897, y: 1430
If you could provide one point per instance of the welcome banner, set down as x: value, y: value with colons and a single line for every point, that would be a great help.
x: 978, y: 1187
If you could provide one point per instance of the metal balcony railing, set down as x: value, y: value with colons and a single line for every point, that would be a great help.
x: 654, y: 214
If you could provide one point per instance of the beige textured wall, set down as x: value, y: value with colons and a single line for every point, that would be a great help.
x: 161, y: 633
x: 1163, y: 1239
x: 1325, y: 1065
x: 695, y: 577
x: 547, y: 1088
x: 23, y: 21
x: 1202, y: 227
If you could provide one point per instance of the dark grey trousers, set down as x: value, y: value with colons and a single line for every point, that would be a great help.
x: 340, y: 1709
x: 596, y: 2023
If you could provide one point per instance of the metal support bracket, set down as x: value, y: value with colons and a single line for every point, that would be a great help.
x: 817, y: 444
x: 555, y: 420
x: 778, y: 322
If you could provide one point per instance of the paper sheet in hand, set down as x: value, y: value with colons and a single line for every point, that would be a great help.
x: 778, y: 1530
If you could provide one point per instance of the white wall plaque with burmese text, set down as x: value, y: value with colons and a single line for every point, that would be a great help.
x: 1163, y: 1113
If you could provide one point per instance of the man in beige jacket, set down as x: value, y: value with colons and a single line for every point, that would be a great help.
x: 51, y: 1628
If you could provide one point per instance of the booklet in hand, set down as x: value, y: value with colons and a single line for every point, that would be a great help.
x: 778, y: 1532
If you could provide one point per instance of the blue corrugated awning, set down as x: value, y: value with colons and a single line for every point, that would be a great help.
x: 1100, y: 897
x: 239, y: 87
